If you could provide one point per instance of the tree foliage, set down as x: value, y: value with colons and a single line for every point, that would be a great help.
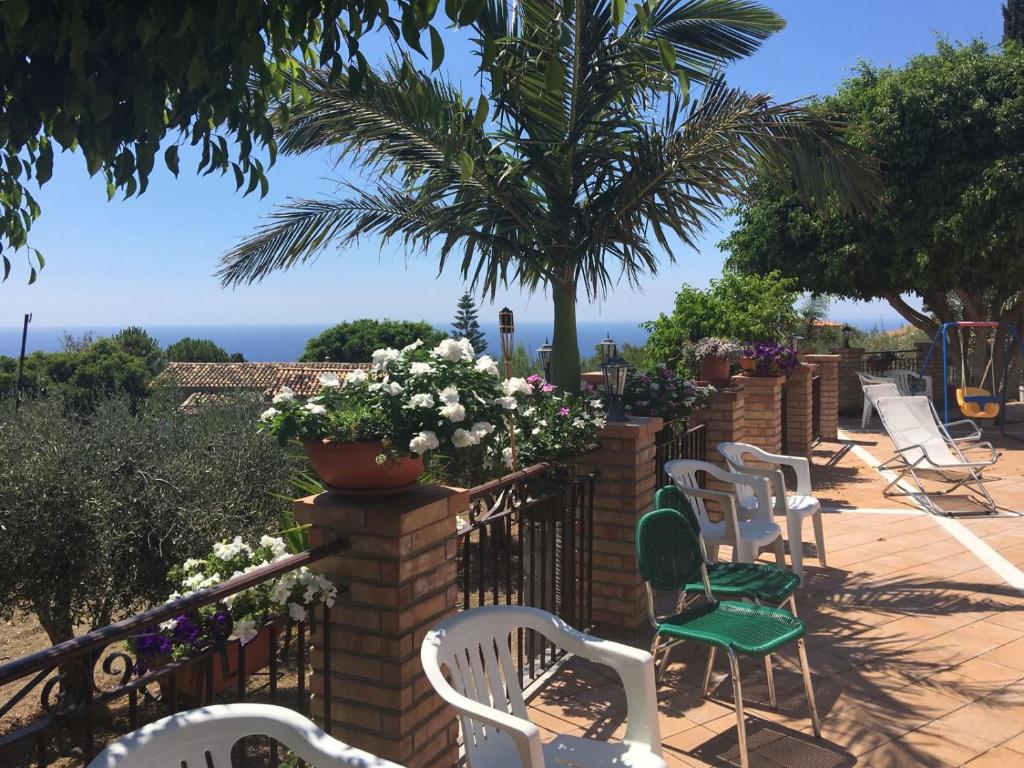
x: 355, y: 341
x: 586, y: 155
x: 114, y: 78
x: 189, y: 350
x: 467, y: 325
x: 741, y: 307
x: 1013, y: 20
x: 96, y: 510
x: 949, y: 130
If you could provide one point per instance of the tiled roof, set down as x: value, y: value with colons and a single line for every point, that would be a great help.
x: 267, y: 378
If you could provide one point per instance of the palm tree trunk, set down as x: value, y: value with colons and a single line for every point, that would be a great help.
x: 565, y: 347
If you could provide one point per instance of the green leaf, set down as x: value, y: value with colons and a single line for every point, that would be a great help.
x: 436, y: 49
x: 452, y: 9
x: 16, y: 15
x: 618, y: 11
x: 197, y: 72
x: 471, y: 10
x: 554, y: 75
x: 7, y: 268
x: 410, y: 32
x: 482, y: 108
x: 39, y: 258
x: 32, y: 276
x: 684, y: 86
x: 465, y: 166
x: 171, y: 158
x: 668, y: 56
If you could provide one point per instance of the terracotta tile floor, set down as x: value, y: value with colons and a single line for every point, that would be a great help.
x: 916, y: 642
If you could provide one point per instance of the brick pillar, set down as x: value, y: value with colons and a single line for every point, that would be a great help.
x: 624, y: 492
x: 724, y: 418
x: 763, y: 411
x: 829, y: 368
x: 399, y: 579
x: 851, y: 398
x: 799, y: 413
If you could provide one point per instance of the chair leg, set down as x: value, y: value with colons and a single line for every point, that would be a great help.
x: 654, y: 654
x: 808, y: 688
x: 713, y: 553
x: 780, y: 552
x: 737, y: 694
x: 744, y: 552
x: 792, y: 603
x: 771, y: 679
x: 707, y: 671
x: 794, y: 530
x: 819, y: 538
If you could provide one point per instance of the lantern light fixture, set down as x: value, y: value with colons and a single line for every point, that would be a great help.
x: 544, y: 353
x: 616, y: 371
x: 608, y: 348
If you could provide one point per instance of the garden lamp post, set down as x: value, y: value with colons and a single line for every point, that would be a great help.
x: 544, y: 353
x: 608, y: 348
x: 506, y: 336
x: 615, y: 371
x: 794, y: 341
x: 846, y: 331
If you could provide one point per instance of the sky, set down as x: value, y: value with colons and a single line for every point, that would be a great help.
x: 150, y: 260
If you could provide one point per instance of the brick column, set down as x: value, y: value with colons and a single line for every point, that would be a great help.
x: 851, y: 398
x: 763, y: 411
x: 399, y: 579
x: 799, y: 413
x: 829, y: 368
x: 724, y: 418
x: 623, y: 494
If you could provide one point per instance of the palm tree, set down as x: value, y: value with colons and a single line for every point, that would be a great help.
x: 586, y: 155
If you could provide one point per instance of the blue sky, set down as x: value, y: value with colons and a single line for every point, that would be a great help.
x: 149, y: 260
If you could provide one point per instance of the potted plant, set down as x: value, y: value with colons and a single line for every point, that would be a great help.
x: 769, y: 359
x: 664, y: 393
x: 715, y: 357
x: 367, y: 433
x: 224, y: 628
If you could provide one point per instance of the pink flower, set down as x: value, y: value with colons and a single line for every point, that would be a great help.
x: 534, y: 378
x: 546, y: 388
x: 563, y: 411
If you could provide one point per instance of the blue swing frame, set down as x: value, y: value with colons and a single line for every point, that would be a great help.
x: 943, y: 333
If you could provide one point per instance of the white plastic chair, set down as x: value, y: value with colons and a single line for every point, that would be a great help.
x: 866, y: 382
x: 203, y: 738
x: 910, y: 382
x: 923, y: 443
x: 747, y: 533
x: 482, y: 685
x: 797, y: 507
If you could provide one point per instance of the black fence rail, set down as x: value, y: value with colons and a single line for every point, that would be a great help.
x: 527, y: 539
x: 65, y: 702
x: 678, y: 441
x: 878, y: 363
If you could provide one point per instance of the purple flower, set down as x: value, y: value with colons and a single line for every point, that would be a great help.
x: 186, y: 631
x: 151, y: 644
x: 219, y: 626
x: 546, y: 388
x: 534, y: 379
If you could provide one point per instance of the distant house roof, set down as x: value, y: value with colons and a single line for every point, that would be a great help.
x: 266, y: 378
x: 827, y: 324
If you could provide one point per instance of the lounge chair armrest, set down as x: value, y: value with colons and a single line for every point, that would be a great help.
x: 974, y: 435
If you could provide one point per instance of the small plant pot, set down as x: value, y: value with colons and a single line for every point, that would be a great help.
x: 351, y: 469
x: 191, y: 679
x: 715, y: 369
x: 747, y: 364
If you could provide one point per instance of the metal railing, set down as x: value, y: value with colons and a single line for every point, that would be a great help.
x: 889, y: 360
x: 678, y: 441
x: 113, y: 694
x: 527, y: 539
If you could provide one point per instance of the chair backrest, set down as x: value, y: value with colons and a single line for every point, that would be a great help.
x: 909, y: 382
x: 668, y: 550
x: 867, y: 379
x: 203, y: 738
x: 912, y: 421
x: 874, y: 391
x: 733, y: 453
x: 670, y: 497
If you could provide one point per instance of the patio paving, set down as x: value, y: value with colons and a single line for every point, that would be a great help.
x: 915, y: 640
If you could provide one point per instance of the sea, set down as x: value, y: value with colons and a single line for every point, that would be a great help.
x: 284, y: 343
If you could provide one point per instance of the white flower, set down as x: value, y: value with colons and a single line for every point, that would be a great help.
x: 329, y: 380
x: 487, y: 365
x: 423, y: 400
x: 382, y: 358
x: 245, y: 630
x: 596, y: 404
x: 453, y: 412
x: 516, y: 384
x: 423, y: 442
x: 449, y: 395
x: 393, y: 388
x: 296, y: 611
x: 529, y: 411
x: 226, y: 550
x: 536, y: 431
x: 599, y: 422
x: 268, y: 414
x: 579, y: 423
x: 506, y: 456
x: 316, y: 409
x: 421, y: 369
x: 508, y: 403
x: 191, y: 564
x: 284, y: 395
x: 357, y: 376
x: 463, y: 439
x: 482, y: 428
x: 276, y: 545
x: 410, y: 347
x: 450, y: 349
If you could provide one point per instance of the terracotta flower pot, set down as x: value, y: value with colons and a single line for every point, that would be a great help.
x: 190, y: 680
x: 715, y: 369
x: 746, y: 364
x: 352, y: 468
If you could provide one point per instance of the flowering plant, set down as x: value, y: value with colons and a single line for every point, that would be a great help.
x: 712, y: 346
x: 238, y: 616
x: 552, y: 425
x: 770, y: 359
x: 414, y: 400
x: 662, y: 392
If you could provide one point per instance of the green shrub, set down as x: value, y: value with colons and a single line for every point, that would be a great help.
x: 355, y: 342
x: 189, y: 350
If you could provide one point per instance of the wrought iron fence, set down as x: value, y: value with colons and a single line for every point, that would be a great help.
x: 64, y: 701
x: 889, y: 360
x: 527, y: 539
x: 678, y: 441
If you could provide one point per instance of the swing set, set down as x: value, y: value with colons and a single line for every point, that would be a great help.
x: 975, y: 399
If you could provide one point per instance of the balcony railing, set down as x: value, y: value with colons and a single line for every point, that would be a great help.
x: 678, y: 441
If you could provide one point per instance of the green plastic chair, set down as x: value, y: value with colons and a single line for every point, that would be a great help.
x: 752, y: 581
x: 669, y: 554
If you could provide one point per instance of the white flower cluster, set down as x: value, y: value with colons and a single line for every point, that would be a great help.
x: 313, y: 589
x: 450, y: 349
x: 226, y: 550
x: 423, y: 442
x: 284, y: 395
